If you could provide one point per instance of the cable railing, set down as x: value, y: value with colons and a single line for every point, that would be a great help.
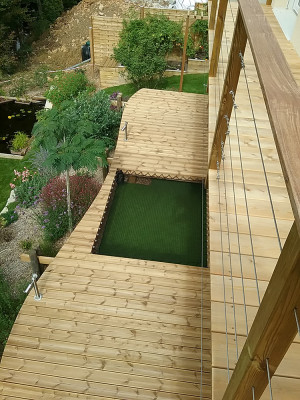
x: 277, y: 321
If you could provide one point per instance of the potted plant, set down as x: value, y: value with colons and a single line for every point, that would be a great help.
x: 20, y: 143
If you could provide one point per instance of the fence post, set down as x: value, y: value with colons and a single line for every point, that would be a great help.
x: 186, y: 35
x: 91, y: 32
x: 34, y: 262
x: 142, y: 12
x: 238, y: 45
x: 218, y: 38
x: 119, y: 101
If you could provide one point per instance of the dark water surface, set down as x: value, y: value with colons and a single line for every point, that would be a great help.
x: 22, y: 118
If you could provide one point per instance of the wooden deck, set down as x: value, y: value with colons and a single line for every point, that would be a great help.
x: 115, y: 328
x: 167, y: 135
x: 236, y: 242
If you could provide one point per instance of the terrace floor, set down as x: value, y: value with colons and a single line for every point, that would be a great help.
x: 119, y: 328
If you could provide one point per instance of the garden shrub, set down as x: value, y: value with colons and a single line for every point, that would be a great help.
x: 20, y: 141
x: 40, y: 77
x: 9, y: 217
x: 53, y: 200
x: 66, y: 86
x: 28, y: 186
x: 144, y: 45
x: 19, y: 87
x: 198, y: 40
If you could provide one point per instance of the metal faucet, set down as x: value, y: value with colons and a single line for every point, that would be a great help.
x: 125, y: 129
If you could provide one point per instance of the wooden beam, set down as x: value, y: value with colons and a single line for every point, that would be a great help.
x: 268, y: 2
x: 42, y: 259
x: 230, y: 84
x: 142, y: 12
x: 213, y: 12
x: 91, y: 32
x: 214, y: 59
x: 274, y: 327
x: 186, y: 35
x: 281, y: 94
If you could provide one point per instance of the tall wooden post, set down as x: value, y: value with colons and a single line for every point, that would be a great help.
x: 186, y: 35
x: 142, y: 12
x: 214, y: 60
x: 34, y: 262
x: 213, y: 12
x: 92, y: 46
x: 238, y: 45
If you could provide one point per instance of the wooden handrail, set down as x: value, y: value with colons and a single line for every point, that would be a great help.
x: 281, y: 94
x: 274, y: 326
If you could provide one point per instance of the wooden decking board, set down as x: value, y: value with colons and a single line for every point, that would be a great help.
x: 116, y: 328
x: 263, y: 233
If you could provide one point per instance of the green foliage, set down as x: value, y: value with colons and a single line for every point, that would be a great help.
x: 70, y: 3
x: 40, y: 77
x: 71, y: 133
x: 26, y: 244
x: 198, y: 40
x: 192, y: 83
x: 19, y: 87
x: 66, y: 86
x: 47, y: 248
x: 144, y: 45
x: 52, y: 9
x: 9, y: 217
x: 20, y: 141
x: 27, y: 193
x: 10, y: 305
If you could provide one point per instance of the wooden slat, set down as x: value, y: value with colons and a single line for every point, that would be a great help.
x: 214, y: 59
x: 274, y: 327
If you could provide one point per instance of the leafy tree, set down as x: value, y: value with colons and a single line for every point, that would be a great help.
x: 144, y: 45
x: 76, y: 134
x: 198, y: 39
x: 52, y: 9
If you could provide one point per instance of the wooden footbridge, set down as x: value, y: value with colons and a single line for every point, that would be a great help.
x: 115, y: 328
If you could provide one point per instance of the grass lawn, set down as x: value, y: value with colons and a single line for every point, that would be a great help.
x: 160, y: 222
x: 7, y: 167
x: 192, y: 83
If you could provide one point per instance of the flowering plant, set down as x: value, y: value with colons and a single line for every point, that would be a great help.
x: 21, y: 176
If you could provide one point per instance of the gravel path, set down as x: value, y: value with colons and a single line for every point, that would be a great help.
x: 10, y: 237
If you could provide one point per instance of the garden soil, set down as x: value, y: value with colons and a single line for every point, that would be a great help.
x: 61, y: 46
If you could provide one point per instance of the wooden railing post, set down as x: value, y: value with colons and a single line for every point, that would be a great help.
x: 186, y: 35
x: 213, y: 12
x: 214, y: 59
x: 274, y: 327
x: 238, y: 45
x: 91, y: 32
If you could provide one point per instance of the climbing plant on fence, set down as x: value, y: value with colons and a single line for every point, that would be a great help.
x: 144, y: 45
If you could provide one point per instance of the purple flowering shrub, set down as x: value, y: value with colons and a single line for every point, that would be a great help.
x: 53, y: 200
x: 28, y: 190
